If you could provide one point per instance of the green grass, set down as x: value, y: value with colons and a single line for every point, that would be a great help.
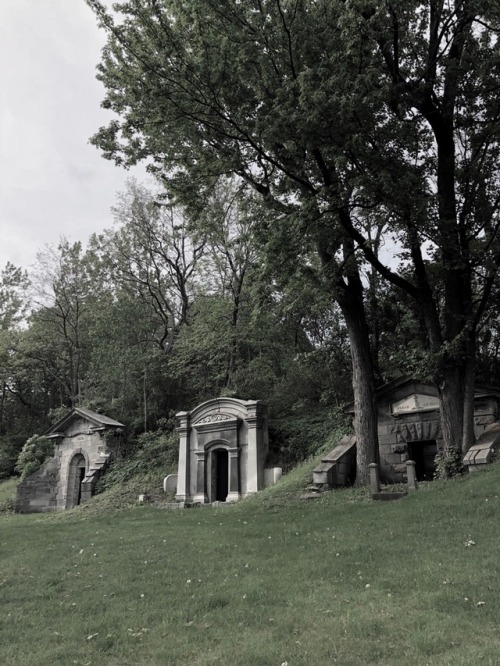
x: 338, y: 580
x: 7, y: 495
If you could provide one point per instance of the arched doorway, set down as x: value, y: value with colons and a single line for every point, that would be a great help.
x: 219, y: 475
x: 76, y: 475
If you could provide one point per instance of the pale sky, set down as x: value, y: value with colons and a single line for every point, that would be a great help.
x: 53, y: 183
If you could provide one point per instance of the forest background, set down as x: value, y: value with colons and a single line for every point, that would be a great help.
x: 325, y: 219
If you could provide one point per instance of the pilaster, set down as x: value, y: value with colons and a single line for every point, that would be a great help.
x: 183, y: 479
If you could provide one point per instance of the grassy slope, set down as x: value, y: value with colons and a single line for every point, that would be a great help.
x: 272, y: 579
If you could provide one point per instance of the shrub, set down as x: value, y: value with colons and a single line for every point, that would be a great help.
x: 35, y: 451
x: 448, y: 465
x: 10, y: 447
x: 299, y: 436
x: 154, y: 451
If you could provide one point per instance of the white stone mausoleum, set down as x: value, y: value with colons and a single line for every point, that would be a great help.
x: 223, y: 450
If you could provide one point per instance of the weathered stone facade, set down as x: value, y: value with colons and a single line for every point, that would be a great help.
x: 69, y: 477
x: 223, y: 451
x: 409, y: 425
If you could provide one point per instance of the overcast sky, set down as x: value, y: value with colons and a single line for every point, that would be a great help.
x: 53, y: 183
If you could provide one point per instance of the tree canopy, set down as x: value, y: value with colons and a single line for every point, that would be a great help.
x: 346, y: 115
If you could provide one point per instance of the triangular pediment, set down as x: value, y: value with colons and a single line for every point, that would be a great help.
x: 94, y: 419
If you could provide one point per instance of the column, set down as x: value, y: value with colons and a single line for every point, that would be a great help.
x: 201, y: 494
x: 233, y: 494
x: 183, y: 477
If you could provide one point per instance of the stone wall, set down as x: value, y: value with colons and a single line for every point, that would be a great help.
x: 38, y: 492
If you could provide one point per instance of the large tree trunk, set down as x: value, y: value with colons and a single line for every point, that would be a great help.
x: 468, y: 435
x: 455, y: 381
x: 348, y: 290
x: 451, y: 395
x: 350, y: 300
x: 365, y: 404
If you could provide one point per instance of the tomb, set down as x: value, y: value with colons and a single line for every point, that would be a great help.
x: 409, y: 425
x: 223, y: 451
x: 409, y: 428
x: 69, y: 477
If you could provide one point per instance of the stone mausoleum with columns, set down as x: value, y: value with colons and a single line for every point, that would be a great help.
x: 223, y: 451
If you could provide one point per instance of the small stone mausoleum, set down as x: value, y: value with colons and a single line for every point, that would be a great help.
x: 409, y: 428
x: 69, y: 477
x: 409, y: 425
x: 223, y: 450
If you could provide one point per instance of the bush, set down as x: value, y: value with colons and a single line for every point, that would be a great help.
x: 10, y: 447
x: 448, y: 464
x: 297, y: 437
x: 35, y: 451
x: 154, y: 451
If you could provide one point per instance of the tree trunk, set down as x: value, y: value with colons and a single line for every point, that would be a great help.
x: 365, y: 403
x: 350, y: 300
x: 468, y: 435
x: 455, y: 383
x: 348, y: 291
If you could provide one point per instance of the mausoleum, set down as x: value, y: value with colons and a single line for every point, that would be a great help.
x: 409, y: 428
x: 69, y: 477
x: 409, y: 425
x: 223, y: 451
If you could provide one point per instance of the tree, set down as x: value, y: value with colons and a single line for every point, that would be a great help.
x: 330, y: 110
x: 155, y: 258
x: 14, y: 303
x: 224, y: 98
x: 438, y: 64
x: 58, y: 332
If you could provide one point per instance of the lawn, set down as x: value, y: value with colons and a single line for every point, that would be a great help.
x: 272, y: 580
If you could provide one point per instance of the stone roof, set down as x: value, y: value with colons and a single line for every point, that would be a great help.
x: 480, y: 390
x: 96, y: 420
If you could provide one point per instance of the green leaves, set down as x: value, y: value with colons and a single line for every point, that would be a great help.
x: 34, y: 452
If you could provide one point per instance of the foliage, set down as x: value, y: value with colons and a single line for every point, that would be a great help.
x: 154, y: 451
x: 8, y: 495
x: 448, y: 465
x: 33, y: 454
x: 14, y: 284
x: 361, y: 123
x: 10, y: 448
x: 298, y: 436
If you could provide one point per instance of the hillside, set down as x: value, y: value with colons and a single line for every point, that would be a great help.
x: 269, y: 581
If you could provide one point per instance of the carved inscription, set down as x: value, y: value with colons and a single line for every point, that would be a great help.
x: 415, y: 403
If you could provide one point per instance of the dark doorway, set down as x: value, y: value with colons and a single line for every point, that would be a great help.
x: 80, y: 471
x: 220, y: 467
x: 423, y: 453
x: 76, y: 474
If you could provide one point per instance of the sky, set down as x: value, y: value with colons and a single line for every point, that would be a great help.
x: 53, y: 183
